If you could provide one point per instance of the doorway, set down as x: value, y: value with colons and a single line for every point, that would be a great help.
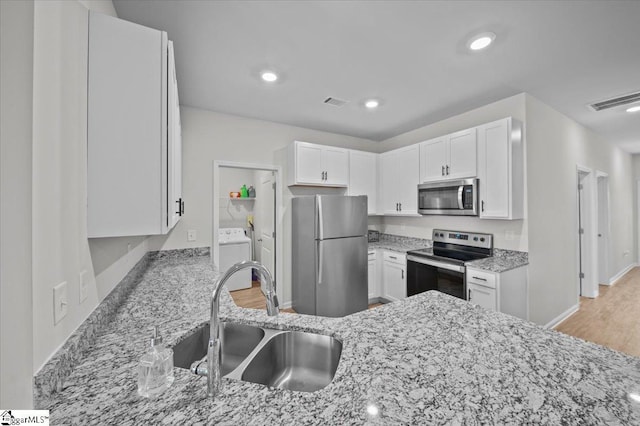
x: 603, y: 228
x: 586, y: 231
x: 259, y: 215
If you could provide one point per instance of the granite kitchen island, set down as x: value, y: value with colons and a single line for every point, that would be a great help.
x: 429, y: 359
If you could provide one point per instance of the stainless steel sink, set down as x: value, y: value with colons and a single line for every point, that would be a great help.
x: 293, y: 360
x: 238, y: 341
x: 296, y: 361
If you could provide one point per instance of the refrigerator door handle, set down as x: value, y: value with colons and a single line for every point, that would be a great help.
x: 320, y: 262
x: 320, y: 218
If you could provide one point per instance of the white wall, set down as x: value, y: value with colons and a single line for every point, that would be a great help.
x: 555, y: 145
x: 16, y: 111
x: 508, y: 234
x: 636, y: 169
x: 61, y: 249
x: 209, y: 136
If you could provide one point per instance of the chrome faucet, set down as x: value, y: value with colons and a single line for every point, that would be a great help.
x: 214, y: 353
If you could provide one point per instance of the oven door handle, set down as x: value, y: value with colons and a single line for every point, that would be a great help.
x: 460, y: 203
x: 435, y: 263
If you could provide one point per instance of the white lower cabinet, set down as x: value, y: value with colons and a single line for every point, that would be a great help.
x: 374, y: 292
x: 506, y: 292
x: 394, y: 275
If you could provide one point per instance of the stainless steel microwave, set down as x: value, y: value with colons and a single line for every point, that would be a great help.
x: 453, y: 197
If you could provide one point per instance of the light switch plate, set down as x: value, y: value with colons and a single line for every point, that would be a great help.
x: 191, y: 235
x: 60, y: 302
x: 83, y: 285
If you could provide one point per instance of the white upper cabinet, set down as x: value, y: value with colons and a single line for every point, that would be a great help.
x: 449, y: 157
x: 500, y: 170
x: 399, y: 177
x: 363, y: 177
x: 132, y: 130
x: 317, y: 165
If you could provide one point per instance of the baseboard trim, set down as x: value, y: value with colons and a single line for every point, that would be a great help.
x: 563, y: 316
x: 286, y: 305
x: 613, y: 280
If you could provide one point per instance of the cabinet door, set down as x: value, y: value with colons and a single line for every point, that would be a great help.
x: 407, y: 179
x: 394, y: 278
x: 494, y: 173
x: 482, y: 296
x: 175, y: 203
x: 389, y: 182
x: 335, y: 164
x: 373, y: 289
x: 363, y: 175
x: 462, y: 155
x: 308, y: 163
x: 433, y: 160
x: 126, y: 129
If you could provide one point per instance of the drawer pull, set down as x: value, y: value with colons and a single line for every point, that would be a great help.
x: 478, y: 278
x: 393, y: 257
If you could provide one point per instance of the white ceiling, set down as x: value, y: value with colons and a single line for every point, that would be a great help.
x: 411, y: 55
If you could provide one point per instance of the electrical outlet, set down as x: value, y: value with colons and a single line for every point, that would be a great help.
x: 60, y: 302
x: 83, y: 286
x: 191, y: 235
x: 626, y: 253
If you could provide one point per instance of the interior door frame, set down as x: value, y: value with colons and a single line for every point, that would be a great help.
x: 278, y: 214
x: 586, y: 177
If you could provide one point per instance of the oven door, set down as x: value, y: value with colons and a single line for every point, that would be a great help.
x: 425, y: 274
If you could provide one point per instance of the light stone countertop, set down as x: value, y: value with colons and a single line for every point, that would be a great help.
x: 430, y: 359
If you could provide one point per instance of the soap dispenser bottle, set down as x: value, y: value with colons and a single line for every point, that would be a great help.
x: 155, y: 370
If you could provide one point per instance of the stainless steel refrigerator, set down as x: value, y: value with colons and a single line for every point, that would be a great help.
x: 329, y: 254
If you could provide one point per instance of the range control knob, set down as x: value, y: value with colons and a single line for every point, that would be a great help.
x: 475, y: 238
x: 482, y: 239
x: 441, y: 235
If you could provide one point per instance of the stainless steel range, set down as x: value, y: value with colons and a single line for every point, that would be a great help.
x: 442, y: 267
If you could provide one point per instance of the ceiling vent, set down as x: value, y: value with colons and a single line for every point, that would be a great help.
x: 615, y: 102
x: 335, y: 102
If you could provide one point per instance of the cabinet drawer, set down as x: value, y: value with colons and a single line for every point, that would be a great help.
x: 486, y: 279
x: 390, y: 256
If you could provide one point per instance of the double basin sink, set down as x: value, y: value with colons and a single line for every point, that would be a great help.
x: 292, y: 360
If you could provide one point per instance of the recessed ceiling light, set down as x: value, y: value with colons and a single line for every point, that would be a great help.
x: 481, y: 41
x: 371, y: 103
x: 269, y: 76
x: 634, y: 108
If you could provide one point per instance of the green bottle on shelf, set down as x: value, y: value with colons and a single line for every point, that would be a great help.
x: 244, y: 192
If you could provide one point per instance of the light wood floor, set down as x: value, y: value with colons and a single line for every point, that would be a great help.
x: 253, y: 298
x: 612, y: 319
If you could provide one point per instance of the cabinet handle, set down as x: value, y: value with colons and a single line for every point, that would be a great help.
x: 447, y: 170
x: 482, y: 205
x: 478, y: 278
x: 180, y: 207
x: 326, y: 175
x: 400, y: 206
x: 469, y: 295
x: 442, y: 170
x: 396, y: 206
x: 402, y: 270
x: 393, y: 257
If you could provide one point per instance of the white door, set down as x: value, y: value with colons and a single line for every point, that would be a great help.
x: 373, y: 290
x: 363, y: 175
x: 309, y: 163
x: 266, y: 239
x: 407, y: 178
x: 493, y: 161
x: 335, y: 163
x: 433, y: 158
x: 462, y: 155
x: 394, y: 281
x: 603, y: 230
x: 174, y: 158
x: 388, y: 177
x: 483, y: 296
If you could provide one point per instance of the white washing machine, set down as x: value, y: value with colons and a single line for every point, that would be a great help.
x: 235, y: 247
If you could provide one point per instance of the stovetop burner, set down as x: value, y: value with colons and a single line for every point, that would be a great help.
x: 457, y: 247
